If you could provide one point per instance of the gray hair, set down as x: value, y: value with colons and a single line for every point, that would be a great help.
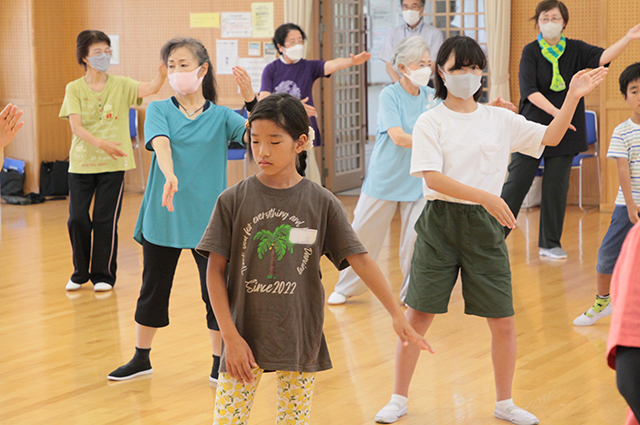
x: 409, y: 50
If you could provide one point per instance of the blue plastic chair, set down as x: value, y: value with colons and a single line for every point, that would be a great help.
x: 592, y: 139
x: 135, y: 140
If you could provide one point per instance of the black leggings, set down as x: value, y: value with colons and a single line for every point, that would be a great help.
x: 628, y: 376
x: 160, y: 264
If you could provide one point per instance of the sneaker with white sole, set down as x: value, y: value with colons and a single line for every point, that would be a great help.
x: 516, y: 415
x: 556, y: 253
x: 391, y: 412
x: 130, y: 371
x: 72, y: 286
x: 336, y: 298
x: 591, y: 316
x: 102, y: 287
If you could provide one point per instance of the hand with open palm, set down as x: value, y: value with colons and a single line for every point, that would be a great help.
x: 583, y: 82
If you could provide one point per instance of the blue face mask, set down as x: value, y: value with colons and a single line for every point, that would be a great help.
x: 100, y: 62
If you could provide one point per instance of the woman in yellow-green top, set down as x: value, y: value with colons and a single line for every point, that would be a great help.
x: 97, y: 106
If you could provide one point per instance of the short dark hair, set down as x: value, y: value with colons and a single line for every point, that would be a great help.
x: 421, y: 1
x: 467, y: 52
x: 286, y: 112
x: 84, y: 41
x: 628, y: 76
x: 547, y: 5
x: 282, y: 32
x: 196, y: 47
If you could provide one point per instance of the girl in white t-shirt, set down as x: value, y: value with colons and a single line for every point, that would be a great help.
x: 462, y: 148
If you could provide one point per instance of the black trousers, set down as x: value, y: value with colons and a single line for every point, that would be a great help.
x: 555, y: 186
x: 96, y: 259
x: 160, y: 264
x: 628, y: 376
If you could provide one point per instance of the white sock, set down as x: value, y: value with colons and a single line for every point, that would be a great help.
x: 401, y: 400
x: 504, y: 404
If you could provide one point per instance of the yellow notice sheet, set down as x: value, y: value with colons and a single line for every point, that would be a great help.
x: 262, y: 19
x: 204, y: 20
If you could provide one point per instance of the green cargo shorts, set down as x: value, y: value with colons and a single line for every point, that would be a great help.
x: 460, y: 238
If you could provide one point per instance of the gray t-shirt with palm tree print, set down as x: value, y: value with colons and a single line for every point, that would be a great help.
x: 274, y: 240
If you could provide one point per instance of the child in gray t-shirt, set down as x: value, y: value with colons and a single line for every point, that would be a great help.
x: 271, y: 230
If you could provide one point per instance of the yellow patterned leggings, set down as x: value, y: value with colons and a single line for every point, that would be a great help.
x: 234, y: 399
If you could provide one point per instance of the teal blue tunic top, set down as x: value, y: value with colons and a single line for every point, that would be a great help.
x: 199, y: 153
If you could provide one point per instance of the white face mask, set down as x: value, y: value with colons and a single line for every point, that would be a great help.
x: 551, y: 30
x: 419, y: 77
x: 411, y: 17
x: 294, y: 53
x: 463, y: 86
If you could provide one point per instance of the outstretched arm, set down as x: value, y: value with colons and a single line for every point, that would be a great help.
x: 372, y: 276
x: 162, y: 147
x: 153, y: 87
x: 341, y: 63
x: 618, y: 47
x: 238, y: 355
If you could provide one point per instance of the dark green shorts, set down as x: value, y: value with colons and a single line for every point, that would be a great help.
x: 460, y: 238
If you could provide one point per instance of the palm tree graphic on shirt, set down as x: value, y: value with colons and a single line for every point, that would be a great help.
x: 277, y: 242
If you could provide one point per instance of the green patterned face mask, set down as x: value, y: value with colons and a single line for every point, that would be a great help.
x: 552, y: 54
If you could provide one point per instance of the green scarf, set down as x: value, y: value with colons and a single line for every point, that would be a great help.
x: 552, y: 54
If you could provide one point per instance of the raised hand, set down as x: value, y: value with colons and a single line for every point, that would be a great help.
x: 360, y: 58
x: 9, y: 124
x: 243, y: 80
x: 634, y: 33
x: 583, y: 82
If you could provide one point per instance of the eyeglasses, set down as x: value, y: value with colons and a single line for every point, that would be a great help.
x: 555, y: 20
x: 412, y: 7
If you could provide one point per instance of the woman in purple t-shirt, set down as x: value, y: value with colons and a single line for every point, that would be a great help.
x: 294, y: 75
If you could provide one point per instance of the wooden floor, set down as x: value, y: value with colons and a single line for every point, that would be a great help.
x: 56, y: 349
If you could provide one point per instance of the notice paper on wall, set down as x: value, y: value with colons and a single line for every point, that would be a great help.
x: 226, y: 56
x: 254, y: 67
x: 262, y: 15
x: 115, y: 49
x: 255, y: 48
x: 204, y: 20
x: 236, y: 24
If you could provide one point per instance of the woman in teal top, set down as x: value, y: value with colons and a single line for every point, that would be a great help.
x: 189, y: 136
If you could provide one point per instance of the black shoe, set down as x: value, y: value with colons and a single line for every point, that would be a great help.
x: 131, y: 370
x: 214, y: 370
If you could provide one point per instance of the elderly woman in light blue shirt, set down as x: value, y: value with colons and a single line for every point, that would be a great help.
x: 388, y: 184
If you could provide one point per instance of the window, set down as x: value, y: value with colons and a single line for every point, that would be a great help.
x: 460, y: 17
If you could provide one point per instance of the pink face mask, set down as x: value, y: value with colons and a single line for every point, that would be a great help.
x: 185, y: 82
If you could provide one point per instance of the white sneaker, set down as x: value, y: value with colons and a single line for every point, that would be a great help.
x: 102, y: 287
x: 590, y: 317
x: 516, y: 415
x: 72, y: 286
x: 336, y: 298
x: 391, y: 412
x: 556, y: 253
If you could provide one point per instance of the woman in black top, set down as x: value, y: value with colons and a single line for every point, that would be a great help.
x: 542, y: 91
